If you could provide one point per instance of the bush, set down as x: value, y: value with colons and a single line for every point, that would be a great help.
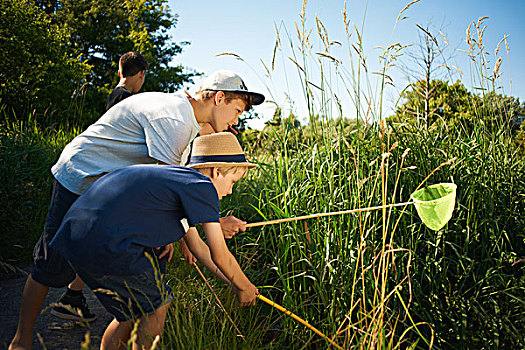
x: 26, y: 156
x: 38, y: 73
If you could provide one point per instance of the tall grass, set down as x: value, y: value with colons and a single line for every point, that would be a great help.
x: 382, y: 279
x: 27, y: 153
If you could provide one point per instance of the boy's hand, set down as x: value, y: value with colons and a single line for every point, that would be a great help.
x: 230, y: 225
x: 246, y: 297
x: 185, y: 252
x: 168, y: 249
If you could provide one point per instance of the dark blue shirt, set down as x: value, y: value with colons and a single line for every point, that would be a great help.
x: 120, y: 93
x: 127, y: 212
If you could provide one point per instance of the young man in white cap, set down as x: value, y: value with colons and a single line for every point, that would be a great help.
x: 146, y: 128
x: 109, y: 231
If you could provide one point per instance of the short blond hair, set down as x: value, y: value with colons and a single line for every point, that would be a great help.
x: 229, y: 95
x: 225, y: 170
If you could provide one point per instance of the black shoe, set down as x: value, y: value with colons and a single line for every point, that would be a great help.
x: 73, y: 308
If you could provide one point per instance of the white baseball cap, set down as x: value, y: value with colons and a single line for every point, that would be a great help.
x: 225, y: 80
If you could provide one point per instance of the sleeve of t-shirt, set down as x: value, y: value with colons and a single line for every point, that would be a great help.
x: 166, y: 139
x: 201, y: 203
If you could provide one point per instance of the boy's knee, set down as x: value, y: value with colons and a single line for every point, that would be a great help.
x: 162, y: 310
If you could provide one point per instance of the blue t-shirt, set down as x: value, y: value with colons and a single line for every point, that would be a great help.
x: 131, y: 210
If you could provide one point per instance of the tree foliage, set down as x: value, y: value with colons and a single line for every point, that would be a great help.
x: 499, y: 109
x: 105, y: 29
x: 448, y: 102
x: 37, y: 71
x: 452, y: 104
x: 68, y: 44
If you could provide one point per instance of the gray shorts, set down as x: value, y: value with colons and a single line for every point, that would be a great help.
x: 49, y: 267
x: 131, y: 296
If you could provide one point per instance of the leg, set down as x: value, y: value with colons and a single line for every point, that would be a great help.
x: 48, y: 268
x: 32, y: 299
x: 73, y: 304
x: 116, y: 335
x: 77, y: 284
x: 150, y: 327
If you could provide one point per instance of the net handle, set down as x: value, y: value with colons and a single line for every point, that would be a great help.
x: 319, y: 215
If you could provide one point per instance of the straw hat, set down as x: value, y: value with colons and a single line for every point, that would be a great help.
x: 216, y: 150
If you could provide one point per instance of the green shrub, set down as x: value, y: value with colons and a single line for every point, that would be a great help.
x: 26, y: 156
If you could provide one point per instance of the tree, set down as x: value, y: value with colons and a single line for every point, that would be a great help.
x: 103, y: 30
x: 421, y: 69
x: 497, y: 109
x: 37, y: 71
x: 449, y: 103
x: 455, y: 105
x: 68, y: 36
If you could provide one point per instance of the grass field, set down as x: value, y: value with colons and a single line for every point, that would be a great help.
x: 374, y: 280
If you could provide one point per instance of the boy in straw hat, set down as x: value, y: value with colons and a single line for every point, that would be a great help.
x: 108, y: 232
x: 146, y: 128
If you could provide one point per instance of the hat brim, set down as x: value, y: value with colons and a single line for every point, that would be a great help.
x: 221, y: 164
x: 257, y: 98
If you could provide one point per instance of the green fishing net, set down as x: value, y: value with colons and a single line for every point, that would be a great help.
x: 434, y: 204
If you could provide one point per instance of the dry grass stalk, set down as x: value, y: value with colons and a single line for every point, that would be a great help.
x: 230, y: 54
x: 362, y: 59
x: 496, y: 67
x: 335, y: 60
x: 444, y: 38
x: 346, y: 21
x: 323, y: 34
x: 406, y: 8
x: 428, y: 34
x: 359, y: 40
x: 298, y: 65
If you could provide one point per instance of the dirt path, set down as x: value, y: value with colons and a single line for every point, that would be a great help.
x: 56, y: 333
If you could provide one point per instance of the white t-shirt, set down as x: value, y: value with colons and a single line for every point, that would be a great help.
x: 143, y: 129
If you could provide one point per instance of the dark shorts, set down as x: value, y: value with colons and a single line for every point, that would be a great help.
x: 132, y: 296
x: 49, y: 267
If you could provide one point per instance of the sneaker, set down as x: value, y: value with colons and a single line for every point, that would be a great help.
x: 73, y: 308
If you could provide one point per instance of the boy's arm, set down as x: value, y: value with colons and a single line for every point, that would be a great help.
x: 221, y: 257
x: 186, y: 253
x: 202, y: 252
x: 230, y: 225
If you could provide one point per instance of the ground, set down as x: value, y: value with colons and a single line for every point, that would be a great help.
x: 55, y: 333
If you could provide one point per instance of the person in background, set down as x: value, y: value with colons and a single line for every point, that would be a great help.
x: 132, y: 73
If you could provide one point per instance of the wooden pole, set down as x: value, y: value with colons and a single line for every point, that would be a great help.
x: 297, y: 318
x: 218, y: 300
x: 319, y: 215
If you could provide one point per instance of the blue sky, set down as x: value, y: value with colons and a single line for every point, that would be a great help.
x: 248, y: 29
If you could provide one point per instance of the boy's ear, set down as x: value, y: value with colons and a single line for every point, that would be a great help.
x: 219, y: 97
x: 215, y: 172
